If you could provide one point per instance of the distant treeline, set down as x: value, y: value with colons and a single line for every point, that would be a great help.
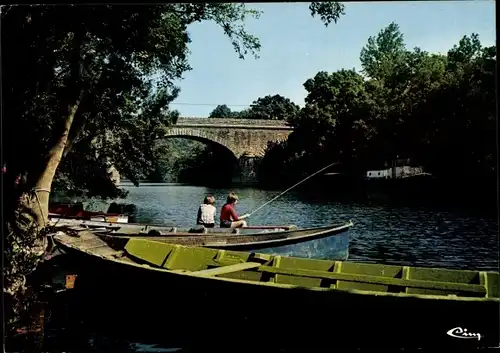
x: 436, y: 110
x: 269, y: 107
x: 187, y: 161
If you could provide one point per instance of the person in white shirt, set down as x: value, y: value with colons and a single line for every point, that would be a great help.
x: 206, y: 212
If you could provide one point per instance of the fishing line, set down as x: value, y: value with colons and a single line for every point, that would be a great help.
x: 290, y: 188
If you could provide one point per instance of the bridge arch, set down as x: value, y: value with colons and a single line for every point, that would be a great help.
x: 199, y: 135
x: 245, y: 139
x: 229, y: 165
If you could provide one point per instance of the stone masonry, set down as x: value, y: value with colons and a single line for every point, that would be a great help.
x: 247, y: 139
x: 241, y: 136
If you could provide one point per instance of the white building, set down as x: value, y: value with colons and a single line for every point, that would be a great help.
x: 376, y: 174
x: 395, y: 172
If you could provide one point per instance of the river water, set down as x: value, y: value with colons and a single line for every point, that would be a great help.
x: 430, y: 236
x: 383, y: 233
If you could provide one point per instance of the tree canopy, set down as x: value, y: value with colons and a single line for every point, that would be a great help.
x: 87, y: 87
x: 87, y: 84
x: 94, y: 70
x: 438, y: 110
x: 269, y: 107
x: 274, y: 107
x: 221, y: 111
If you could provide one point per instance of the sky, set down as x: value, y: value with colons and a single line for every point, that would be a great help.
x: 296, y: 46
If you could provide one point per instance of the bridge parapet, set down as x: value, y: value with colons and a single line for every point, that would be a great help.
x: 247, y: 139
x: 233, y: 122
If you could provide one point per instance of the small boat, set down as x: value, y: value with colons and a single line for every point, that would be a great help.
x: 156, y: 229
x: 59, y: 218
x: 92, y: 216
x: 331, y: 242
x: 116, y: 213
x: 157, y: 289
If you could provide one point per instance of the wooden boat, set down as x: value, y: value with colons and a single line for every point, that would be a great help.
x: 154, y: 289
x: 155, y: 229
x: 116, y: 213
x: 330, y: 242
x: 88, y: 215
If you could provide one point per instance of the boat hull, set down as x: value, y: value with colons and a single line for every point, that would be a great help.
x: 116, y: 213
x: 330, y: 243
x: 333, y: 247
x: 178, y: 310
x: 89, y: 216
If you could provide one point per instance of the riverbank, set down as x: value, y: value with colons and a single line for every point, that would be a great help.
x: 27, y: 333
x: 383, y: 232
x: 474, y: 194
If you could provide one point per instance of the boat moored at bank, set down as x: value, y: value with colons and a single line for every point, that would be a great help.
x: 387, y: 304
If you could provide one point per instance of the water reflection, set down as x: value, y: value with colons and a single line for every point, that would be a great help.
x: 381, y: 233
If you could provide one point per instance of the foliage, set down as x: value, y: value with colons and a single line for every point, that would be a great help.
x: 272, y: 108
x: 269, y: 107
x: 88, y: 87
x: 437, y: 110
x: 384, y: 54
x: 214, y: 166
x: 187, y: 161
x: 171, y: 156
x: 328, y: 11
x: 117, y: 62
x: 221, y: 111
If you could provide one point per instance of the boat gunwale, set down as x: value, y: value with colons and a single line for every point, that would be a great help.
x: 339, y: 225
x: 146, y: 266
x: 336, y: 230
x: 314, y: 236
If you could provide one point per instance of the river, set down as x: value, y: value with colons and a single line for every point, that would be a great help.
x: 383, y: 233
x: 434, y: 236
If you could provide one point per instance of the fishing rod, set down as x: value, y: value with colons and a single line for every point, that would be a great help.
x: 290, y: 188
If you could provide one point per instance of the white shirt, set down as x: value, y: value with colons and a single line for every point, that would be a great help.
x: 207, y: 215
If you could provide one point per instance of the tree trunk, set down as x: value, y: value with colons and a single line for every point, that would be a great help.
x: 44, y: 182
x: 39, y: 203
x: 79, y: 120
x: 24, y: 233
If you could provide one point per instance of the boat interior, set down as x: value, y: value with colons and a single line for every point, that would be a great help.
x: 152, y: 230
x: 312, y: 273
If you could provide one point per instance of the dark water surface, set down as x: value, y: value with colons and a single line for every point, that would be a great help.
x: 421, y: 236
x: 383, y: 233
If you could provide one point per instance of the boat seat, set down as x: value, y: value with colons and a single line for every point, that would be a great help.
x: 212, y: 272
x: 198, y: 230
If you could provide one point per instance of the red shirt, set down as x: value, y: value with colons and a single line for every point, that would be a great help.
x: 227, y: 213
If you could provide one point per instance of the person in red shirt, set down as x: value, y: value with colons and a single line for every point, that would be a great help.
x: 228, y: 216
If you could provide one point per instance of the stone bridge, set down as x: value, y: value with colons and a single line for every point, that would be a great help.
x: 243, y: 137
x: 246, y: 139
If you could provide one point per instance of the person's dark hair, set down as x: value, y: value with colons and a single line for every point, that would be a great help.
x: 209, y: 199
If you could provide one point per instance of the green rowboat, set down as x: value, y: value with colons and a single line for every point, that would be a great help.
x: 302, y: 302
